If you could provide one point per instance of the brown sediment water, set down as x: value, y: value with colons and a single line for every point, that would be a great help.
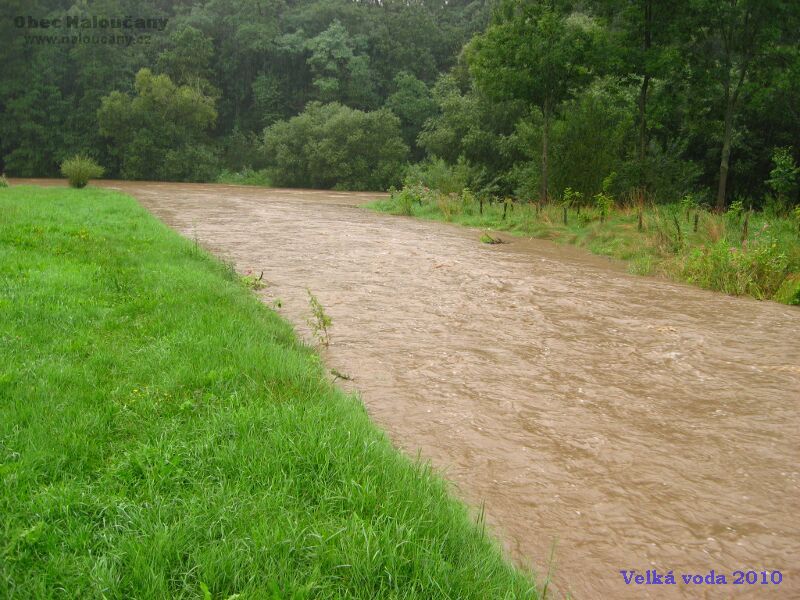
x: 636, y: 423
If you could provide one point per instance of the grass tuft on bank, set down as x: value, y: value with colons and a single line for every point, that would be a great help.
x: 739, y: 253
x: 164, y: 435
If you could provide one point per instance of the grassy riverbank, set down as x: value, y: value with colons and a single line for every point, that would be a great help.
x: 164, y: 435
x: 736, y: 253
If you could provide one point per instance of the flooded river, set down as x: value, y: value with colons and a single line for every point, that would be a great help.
x: 635, y: 423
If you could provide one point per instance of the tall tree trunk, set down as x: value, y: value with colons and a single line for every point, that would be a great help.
x: 726, y: 156
x: 733, y: 88
x: 647, y: 5
x: 545, y: 151
x: 643, y: 124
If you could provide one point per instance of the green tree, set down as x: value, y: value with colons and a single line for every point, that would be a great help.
x: 339, y: 74
x: 187, y: 60
x: 470, y: 125
x: 334, y: 146
x: 532, y: 53
x: 783, y: 177
x: 594, y: 136
x: 413, y: 102
x: 731, y: 39
x: 160, y: 132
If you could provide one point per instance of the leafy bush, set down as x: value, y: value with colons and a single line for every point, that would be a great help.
x: 242, y: 150
x: 246, y: 176
x: 437, y: 174
x: 404, y: 200
x: 333, y: 146
x: 3, y: 181
x: 468, y: 202
x: 735, y: 210
x: 757, y: 270
x: 604, y: 201
x: 192, y: 162
x: 449, y: 205
x: 789, y: 292
x: 80, y: 169
x: 689, y: 203
x: 593, y: 136
x: 572, y: 197
x: 253, y: 281
x: 783, y: 177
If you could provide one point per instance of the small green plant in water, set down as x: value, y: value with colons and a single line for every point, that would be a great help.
x: 253, y: 281
x: 80, y: 169
x: 319, y: 322
x: 486, y: 238
x: 339, y: 375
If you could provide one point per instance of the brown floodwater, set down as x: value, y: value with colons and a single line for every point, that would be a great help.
x: 634, y: 423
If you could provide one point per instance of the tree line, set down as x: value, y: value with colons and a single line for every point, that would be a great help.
x: 658, y: 99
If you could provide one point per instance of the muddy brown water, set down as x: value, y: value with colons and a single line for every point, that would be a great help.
x: 636, y: 423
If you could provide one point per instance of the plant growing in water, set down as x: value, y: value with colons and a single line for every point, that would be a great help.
x: 252, y: 281
x: 319, y: 321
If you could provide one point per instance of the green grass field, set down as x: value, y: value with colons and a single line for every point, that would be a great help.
x: 756, y: 255
x: 165, y: 435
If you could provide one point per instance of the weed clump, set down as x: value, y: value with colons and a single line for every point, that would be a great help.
x: 486, y: 238
x: 253, y: 281
x: 80, y: 169
x: 319, y: 322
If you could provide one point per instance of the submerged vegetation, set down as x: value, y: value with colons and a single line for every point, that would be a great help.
x: 319, y: 321
x: 164, y: 435
x: 739, y: 252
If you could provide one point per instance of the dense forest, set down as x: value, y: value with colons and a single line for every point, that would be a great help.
x: 664, y: 98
